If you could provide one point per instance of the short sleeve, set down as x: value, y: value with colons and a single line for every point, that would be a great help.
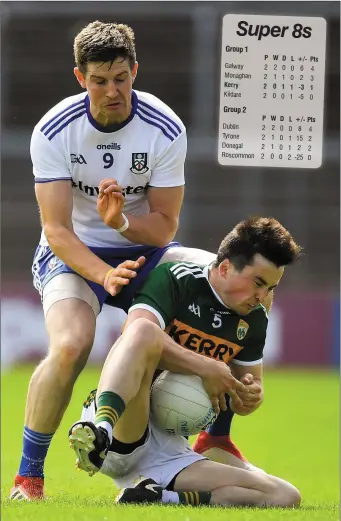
x: 49, y: 163
x: 169, y: 169
x: 160, y: 294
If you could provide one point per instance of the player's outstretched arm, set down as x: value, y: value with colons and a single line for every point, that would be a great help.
x: 55, y: 204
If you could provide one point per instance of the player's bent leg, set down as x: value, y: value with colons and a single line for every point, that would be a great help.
x: 274, y: 493
x: 71, y: 326
x: 138, y: 349
x: 234, y: 486
x: 123, y: 396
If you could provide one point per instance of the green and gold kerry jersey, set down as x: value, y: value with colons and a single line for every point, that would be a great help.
x: 191, y: 312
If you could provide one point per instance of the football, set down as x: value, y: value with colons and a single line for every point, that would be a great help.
x: 180, y: 404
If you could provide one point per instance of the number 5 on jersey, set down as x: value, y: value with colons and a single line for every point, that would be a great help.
x: 217, y: 322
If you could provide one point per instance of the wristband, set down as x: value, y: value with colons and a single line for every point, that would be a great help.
x: 109, y: 272
x: 124, y: 226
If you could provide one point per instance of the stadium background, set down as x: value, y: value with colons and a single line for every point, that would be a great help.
x: 178, y: 49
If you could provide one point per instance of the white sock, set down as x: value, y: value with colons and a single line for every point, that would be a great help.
x: 170, y: 497
x: 106, y: 425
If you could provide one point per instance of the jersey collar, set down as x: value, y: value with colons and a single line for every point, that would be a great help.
x: 206, y: 271
x: 111, y: 128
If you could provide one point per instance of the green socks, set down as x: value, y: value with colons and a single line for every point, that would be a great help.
x: 110, y: 408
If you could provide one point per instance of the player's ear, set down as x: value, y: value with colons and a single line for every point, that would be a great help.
x: 80, y: 77
x: 224, y: 267
x: 134, y: 71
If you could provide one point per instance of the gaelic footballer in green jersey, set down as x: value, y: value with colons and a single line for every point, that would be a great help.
x: 214, y: 311
x: 218, y: 312
x: 192, y: 313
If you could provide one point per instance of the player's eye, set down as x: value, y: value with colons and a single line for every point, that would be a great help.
x: 101, y: 82
x: 258, y: 284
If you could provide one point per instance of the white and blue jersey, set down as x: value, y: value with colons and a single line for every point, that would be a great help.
x: 146, y: 150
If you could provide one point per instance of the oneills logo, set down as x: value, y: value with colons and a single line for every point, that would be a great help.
x: 242, y: 329
x: 200, y: 342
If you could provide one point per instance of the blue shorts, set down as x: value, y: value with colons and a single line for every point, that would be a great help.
x: 46, y: 266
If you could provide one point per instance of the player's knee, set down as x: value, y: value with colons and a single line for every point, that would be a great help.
x: 71, y: 351
x: 146, y: 335
x: 291, y: 496
x: 284, y: 494
x: 296, y: 497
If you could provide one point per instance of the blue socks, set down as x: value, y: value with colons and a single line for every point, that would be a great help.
x: 35, y: 447
x: 222, y: 425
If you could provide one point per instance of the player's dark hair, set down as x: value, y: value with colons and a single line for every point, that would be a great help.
x: 104, y: 42
x: 263, y: 235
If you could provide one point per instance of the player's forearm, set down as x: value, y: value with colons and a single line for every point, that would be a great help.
x: 154, y: 229
x: 70, y: 249
x: 177, y: 359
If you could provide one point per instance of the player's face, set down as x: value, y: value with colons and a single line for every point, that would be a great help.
x: 109, y: 88
x: 245, y: 289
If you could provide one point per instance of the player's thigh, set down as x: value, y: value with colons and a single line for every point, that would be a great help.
x: 206, y: 475
x: 183, y: 254
x: 65, y: 286
x: 134, y: 421
x: 70, y: 313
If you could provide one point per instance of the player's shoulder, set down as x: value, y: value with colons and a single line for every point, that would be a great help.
x: 153, y: 109
x: 61, y: 113
x: 184, y: 270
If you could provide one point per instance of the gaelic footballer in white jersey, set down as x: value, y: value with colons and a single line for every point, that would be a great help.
x: 147, y: 149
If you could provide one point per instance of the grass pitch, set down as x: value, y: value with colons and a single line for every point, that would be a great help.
x: 295, y: 435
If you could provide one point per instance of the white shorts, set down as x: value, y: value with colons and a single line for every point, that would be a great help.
x: 161, y: 457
